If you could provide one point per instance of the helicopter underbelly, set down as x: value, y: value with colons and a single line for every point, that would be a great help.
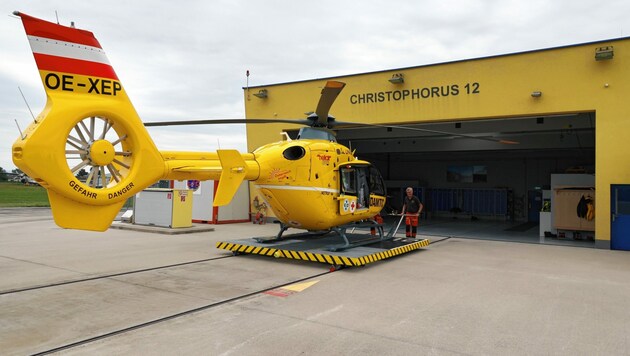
x: 309, y: 208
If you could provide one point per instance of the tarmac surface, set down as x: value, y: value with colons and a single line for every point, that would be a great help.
x: 138, y: 292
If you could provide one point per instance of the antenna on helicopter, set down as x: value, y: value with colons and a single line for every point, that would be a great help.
x: 18, y: 126
x: 57, y: 16
x: 28, y: 106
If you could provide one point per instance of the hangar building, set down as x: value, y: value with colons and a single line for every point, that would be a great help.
x: 562, y: 114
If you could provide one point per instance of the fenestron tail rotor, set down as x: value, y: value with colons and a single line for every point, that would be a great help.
x: 100, y: 151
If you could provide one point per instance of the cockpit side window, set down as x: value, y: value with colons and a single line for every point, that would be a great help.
x: 348, y: 180
x: 363, y: 191
x: 377, y: 185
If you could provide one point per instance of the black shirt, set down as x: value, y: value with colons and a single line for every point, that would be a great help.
x: 412, y: 205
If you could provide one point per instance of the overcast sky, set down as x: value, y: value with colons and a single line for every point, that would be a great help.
x: 187, y: 59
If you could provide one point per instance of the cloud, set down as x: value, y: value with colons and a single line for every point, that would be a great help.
x: 189, y: 62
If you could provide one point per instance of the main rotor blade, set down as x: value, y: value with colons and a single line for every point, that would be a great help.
x: 228, y: 121
x: 337, y: 125
x: 329, y: 94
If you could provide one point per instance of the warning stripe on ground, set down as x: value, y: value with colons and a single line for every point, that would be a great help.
x: 331, y: 259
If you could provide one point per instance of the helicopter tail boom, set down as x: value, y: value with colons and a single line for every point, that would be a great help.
x: 229, y: 167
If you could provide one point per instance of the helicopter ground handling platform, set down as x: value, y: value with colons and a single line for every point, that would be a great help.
x: 314, y: 249
x: 357, y: 249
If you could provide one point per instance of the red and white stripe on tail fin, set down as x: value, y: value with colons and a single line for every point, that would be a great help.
x: 70, y: 59
x: 64, y: 49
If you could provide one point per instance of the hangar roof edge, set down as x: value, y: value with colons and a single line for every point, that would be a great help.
x: 442, y: 63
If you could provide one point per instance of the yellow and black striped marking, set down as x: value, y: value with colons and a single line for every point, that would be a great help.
x: 349, y: 258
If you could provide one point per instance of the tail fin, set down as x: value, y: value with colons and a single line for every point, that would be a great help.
x: 88, y: 147
x: 88, y: 129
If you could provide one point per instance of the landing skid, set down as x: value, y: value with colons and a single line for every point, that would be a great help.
x: 283, y: 229
x: 349, y: 242
x: 349, y: 239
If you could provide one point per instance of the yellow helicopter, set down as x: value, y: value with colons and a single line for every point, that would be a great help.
x: 89, y: 123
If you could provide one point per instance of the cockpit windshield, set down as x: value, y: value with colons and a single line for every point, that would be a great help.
x: 316, y: 134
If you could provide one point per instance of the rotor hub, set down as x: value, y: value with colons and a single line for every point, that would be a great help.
x: 101, y: 152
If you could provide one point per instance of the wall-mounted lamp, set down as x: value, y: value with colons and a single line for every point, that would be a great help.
x: 604, y: 53
x: 262, y: 94
x: 397, y: 78
x: 536, y: 94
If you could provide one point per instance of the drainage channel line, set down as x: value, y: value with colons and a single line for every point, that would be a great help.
x: 173, y: 316
x: 11, y: 291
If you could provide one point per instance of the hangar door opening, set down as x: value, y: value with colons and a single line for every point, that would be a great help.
x: 472, y: 185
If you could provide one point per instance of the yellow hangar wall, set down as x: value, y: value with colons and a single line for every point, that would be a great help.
x: 569, y: 78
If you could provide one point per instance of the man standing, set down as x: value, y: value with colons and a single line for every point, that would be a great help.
x: 412, y: 207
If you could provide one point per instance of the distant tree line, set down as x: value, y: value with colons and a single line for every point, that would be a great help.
x: 4, y: 175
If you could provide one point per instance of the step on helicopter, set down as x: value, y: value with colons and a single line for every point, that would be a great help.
x: 311, y: 183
